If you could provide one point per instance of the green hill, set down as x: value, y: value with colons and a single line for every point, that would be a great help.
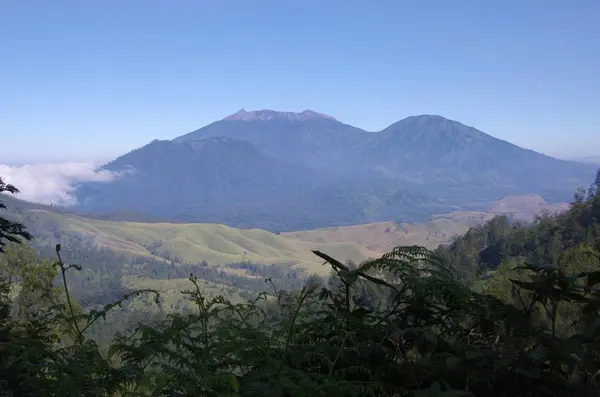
x: 218, y: 244
x: 187, y: 243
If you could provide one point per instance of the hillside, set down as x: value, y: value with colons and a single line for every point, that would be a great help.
x: 188, y: 243
x: 570, y: 239
x: 223, y: 180
x: 218, y: 244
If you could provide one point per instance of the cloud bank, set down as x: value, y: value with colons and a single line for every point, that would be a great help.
x: 52, y: 183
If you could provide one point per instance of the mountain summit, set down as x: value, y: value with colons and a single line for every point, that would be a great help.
x: 308, y: 137
x: 267, y: 114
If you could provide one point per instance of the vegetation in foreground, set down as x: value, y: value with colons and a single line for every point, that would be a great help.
x: 410, y: 323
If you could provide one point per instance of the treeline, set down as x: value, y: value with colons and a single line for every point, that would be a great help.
x: 507, y: 310
x: 550, y: 240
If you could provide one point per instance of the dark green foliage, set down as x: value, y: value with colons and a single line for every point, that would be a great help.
x: 433, y: 337
x: 549, y: 240
x: 10, y: 231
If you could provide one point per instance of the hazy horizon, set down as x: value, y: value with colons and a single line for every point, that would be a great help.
x: 106, y: 156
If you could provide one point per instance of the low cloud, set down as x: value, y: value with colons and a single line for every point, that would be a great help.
x: 52, y: 183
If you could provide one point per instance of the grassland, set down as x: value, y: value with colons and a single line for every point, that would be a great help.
x: 220, y: 244
x: 196, y: 242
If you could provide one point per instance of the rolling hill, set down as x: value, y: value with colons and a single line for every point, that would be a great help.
x: 214, y: 244
x: 120, y: 256
x: 218, y: 244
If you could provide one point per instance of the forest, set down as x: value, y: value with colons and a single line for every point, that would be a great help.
x: 506, y: 310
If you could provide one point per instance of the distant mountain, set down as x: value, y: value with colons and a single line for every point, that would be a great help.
x: 589, y: 159
x: 460, y: 162
x: 207, y: 180
x: 288, y: 171
x: 428, y: 153
x: 223, y: 180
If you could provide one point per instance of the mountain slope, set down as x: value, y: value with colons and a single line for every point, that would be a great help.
x: 222, y: 180
x: 208, y: 180
x: 432, y: 150
x: 590, y: 160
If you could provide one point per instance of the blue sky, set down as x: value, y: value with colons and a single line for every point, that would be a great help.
x: 93, y: 79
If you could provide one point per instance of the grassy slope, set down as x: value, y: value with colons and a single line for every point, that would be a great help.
x: 383, y: 236
x: 220, y: 244
x: 213, y: 243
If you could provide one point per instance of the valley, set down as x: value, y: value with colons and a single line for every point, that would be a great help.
x: 230, y: 261
x: 217, y: 244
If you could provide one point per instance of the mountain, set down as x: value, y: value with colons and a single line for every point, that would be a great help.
x: 437, y: 154
x: 426, y: 153
x: 223, y: 180
x: 308, y: 137
x: 286, y: 171
x: 207, y: 180
x: 589, y: 159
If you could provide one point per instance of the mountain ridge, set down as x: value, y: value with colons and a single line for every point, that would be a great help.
x: 223, y: 180
x: 419, y: 149
x: 288, y: 171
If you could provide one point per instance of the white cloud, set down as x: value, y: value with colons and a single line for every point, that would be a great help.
x: 52, y: 183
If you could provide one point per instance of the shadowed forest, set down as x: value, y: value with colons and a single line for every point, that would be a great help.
x: 506, y: 310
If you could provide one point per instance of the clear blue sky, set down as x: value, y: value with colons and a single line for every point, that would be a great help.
x: 93, y: 79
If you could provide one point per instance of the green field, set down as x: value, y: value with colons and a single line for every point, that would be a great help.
x: 196, y: 242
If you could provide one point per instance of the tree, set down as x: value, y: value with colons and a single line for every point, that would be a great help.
x: 10, y: 231
x: 30, y: 278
